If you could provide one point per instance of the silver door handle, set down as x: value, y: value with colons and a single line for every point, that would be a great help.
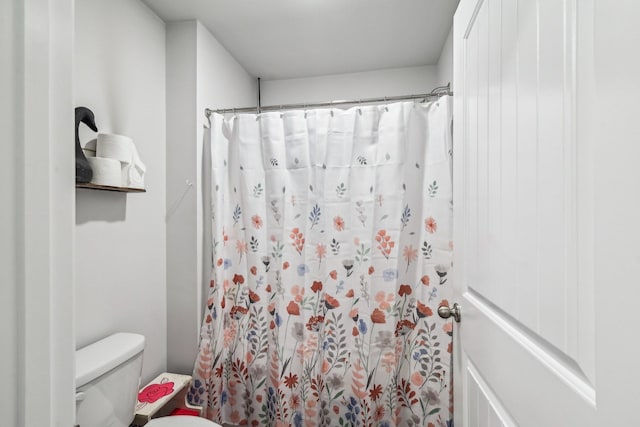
x: 445, y: 312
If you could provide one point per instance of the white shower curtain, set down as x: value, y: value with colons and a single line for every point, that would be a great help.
x: 332, y: 244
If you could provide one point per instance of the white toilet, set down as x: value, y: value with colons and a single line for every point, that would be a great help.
x: 107, y: 382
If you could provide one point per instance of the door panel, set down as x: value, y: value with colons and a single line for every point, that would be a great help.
x: 523, y: 224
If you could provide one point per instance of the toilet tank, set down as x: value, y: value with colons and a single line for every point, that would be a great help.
x: 107, y: 381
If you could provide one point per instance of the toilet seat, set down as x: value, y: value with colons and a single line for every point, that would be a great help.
x: 181, y: 421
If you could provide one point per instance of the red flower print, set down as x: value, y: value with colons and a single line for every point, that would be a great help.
x: 316, y: 286
x: 314, y: 323
x: 385, y: 244
x: 333, y: 274
x: 272, y: 308
x: 268, y: 288
x: 218, y: 371
x: 238, y: 279
x: 423, y: 311
x: 430, y: 225
x: 212, y: 283
x: 355, y: 331
x: 330, y: 302
x: 375, y: 392
x: 293, y: 309
x: 338, y: 223
x: 378, y: 415
x: 253, y: 297
x: 253, y: 270
x: 237, y: 311
x: 209, y: 319
x: 256, y: 221
x: 371, y: 270
x: 404, y: 290
x: 223, y: 303
x: 354, y: 314
x: 444, y: 302
x: 294, y: 402
x: 378, y: 316
x: 219, y: 262
x: 291, y: 380
x: 425, y: 280
x: 350, y: 293
x: 404, y: 327
x: 153, y: 392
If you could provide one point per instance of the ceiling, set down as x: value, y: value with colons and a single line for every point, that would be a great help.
x: 277, y: 39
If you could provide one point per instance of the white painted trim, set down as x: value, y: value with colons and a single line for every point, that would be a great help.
x: 45, y: 240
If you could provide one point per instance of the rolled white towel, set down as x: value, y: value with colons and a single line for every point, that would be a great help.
x: 89, y: 149
x: 116, y: 147
x: 105, y: 171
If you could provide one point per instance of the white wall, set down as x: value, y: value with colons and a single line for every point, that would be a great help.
x: 368, y: 84
x: 119, y: 73
x: 200, y: 73
x: 445, y: 63
x: 36, y: 219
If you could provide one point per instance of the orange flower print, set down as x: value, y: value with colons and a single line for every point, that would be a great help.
x: 285, y: 265
x: 338, y: 223
x: 430, y: 225
x: 425, y: 280
x: 330, y: 302
x: 253, y: 297
x: 410, y: 255
x: 298, y: 240
x: 298, y: 293
x: 293, y: 309
x: 385, y: 244
x: 416, y: 379
x: 321, y: 252
x: 383, y: 300
x: 371, y: 270
x: 423, y: 311
x: 378, y: 316
x: 256, y: 221
x: 333, y: 274
x: 241, y: 247
x: 404, y: 290
x: 350, y: 293
x: 238, y: 279
x: 253, y: 270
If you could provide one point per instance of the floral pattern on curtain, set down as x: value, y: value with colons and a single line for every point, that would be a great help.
x: 332, y: 248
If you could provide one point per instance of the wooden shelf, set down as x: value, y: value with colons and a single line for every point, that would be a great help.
x: 110, y: 188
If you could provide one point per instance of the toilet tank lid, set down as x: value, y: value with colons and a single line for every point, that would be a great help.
x: 100, y: 357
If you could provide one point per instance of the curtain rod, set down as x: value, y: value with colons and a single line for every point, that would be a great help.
x: 435, y: 93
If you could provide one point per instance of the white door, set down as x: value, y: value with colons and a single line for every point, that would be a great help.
x: 547, y: 207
